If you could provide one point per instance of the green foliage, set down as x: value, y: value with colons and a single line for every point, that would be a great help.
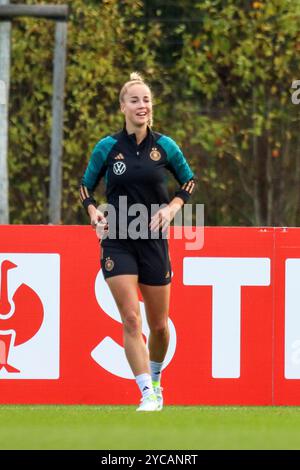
x: 241, y: 64
x: 221, y: 73
x: 103, y: 48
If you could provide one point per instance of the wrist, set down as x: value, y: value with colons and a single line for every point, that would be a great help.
x: 91, y: 209
x: 175, y: 205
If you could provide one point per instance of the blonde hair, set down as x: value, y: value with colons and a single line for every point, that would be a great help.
x: 135, y: 78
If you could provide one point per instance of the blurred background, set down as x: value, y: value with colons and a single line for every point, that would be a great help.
x: 221, y: 72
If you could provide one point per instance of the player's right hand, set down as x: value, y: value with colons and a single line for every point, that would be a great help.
x: 98, y: 222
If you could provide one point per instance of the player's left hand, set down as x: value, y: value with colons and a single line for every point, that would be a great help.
x: 161, y: 220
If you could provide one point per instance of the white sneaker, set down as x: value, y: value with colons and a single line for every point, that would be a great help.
x: 159, y: 397
x: 149, y: 403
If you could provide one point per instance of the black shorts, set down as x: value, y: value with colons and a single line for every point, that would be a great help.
x: 148, y: 258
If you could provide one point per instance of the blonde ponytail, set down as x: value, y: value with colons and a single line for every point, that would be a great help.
x: 135, y: 76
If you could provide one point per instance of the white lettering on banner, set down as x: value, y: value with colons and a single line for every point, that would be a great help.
x: 292, y: 319
x: 226, y: 276
x: 109, y: 354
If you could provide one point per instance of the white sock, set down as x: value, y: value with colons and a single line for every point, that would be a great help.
x: 144, y: 382
x: 156, y: 368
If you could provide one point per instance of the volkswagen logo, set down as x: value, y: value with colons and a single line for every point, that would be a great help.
x: 119, y: 168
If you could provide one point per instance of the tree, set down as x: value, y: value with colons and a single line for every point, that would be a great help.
x: 105, y: 43
x: 221, y: 73
x: 242, y: 64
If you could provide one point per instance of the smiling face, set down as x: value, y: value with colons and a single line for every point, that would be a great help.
x: 136, y: 105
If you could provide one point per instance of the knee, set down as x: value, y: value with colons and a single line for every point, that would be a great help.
x: 131, y: 321
x: 159, y: 328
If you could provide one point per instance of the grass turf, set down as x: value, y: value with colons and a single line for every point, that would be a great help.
x: 176, y: 427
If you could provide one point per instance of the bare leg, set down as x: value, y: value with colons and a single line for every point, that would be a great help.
x: 157, y: 300
x: 124, y: 291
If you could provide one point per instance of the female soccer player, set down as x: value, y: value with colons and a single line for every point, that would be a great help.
x: 136, y: 255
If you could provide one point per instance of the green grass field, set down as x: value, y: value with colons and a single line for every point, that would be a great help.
x: 120, y: 427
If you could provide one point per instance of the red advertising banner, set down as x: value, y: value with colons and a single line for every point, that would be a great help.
x: 234, y: 322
